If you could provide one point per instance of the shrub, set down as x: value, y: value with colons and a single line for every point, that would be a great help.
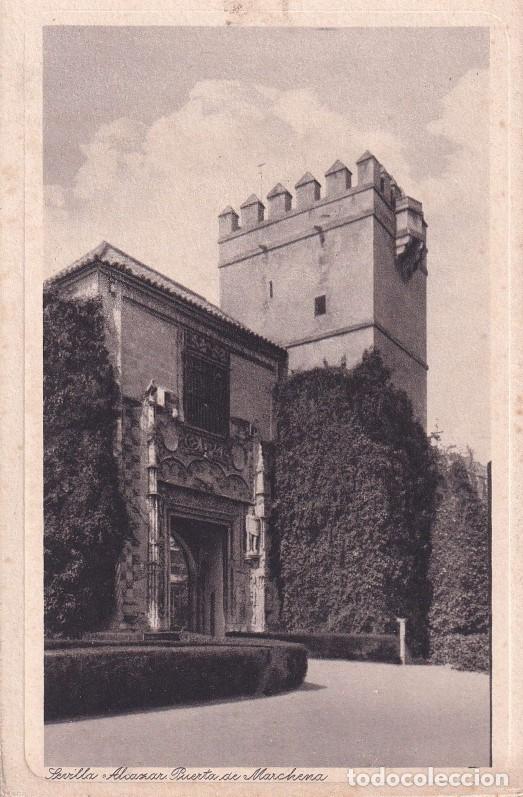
x: 353, y: 647
x: 354, y: 482
x: 470, y: 652
x: 459, y: 616
x: 104, y: 677
x: 85, y: 520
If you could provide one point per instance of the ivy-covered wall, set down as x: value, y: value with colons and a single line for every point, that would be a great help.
x: 354, y: 481
x: 85, y: 518
x: 459, y: 572
x: 370, y: 522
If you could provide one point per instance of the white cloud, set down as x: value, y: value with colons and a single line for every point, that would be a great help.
x: 156, y: 192
x: 465, y: 112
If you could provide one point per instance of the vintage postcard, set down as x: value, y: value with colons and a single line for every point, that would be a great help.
x: 262, y: 277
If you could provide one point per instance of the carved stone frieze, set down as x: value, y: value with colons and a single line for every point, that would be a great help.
x: 194, y: 458
x: 170, y: 437
x: 216, y: 505
x: 201, y: 474
x: 210, y: 348
x: 239, y: 456
x: 198, y: 443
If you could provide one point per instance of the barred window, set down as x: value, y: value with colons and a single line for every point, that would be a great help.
x: 206, y: 395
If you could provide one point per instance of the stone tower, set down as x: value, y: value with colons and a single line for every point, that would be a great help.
x: 333, y: 275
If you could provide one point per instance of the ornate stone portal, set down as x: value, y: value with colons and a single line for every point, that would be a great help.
x: 193, y: 474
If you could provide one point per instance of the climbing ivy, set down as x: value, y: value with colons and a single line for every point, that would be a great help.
x: 459, y: 573
x: 354, y: 481
x: 85, y: 520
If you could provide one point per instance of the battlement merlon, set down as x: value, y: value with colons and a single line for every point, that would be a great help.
x: 376, y: 193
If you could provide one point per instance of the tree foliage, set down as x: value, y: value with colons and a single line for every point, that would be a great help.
x: 459, y: 573
x: 84, y: 514
x: 354, y: 486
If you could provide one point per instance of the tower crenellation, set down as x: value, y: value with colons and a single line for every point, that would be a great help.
x: 369, y: 170
x: 227, y: 221
x: 252, y: 211
x: 308, y: 193
x: 280, y: 201
x: 338, y: 179
x: 333, y: 271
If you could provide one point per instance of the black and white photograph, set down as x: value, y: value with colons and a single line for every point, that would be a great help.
x: 271, y: 453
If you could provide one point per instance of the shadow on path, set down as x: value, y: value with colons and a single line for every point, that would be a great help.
x: 310, y: 687
x: 189, y: 704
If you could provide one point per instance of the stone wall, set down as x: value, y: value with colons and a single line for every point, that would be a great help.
x: 361, y: 247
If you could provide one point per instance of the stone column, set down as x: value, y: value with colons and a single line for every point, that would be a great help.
x: 257, y: 575
x: 157, y: 614
x: 153, y: 558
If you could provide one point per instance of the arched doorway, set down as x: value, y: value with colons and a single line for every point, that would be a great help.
x: 181, y: 586
x: 197, y: 575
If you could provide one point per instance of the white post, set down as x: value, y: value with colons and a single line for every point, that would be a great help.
x: 402, y: 622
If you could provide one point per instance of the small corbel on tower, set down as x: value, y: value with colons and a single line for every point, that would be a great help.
x: 227, y: 221
x: 411, y: 236
x: 369, y: 170
x: 338, y: 179
x: 252, y: 211
x: 409, y: 216
x: 308, y: 191
x: 280, y: 201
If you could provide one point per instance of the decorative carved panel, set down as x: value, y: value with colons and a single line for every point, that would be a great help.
x: 194, y: 459
x: 209, y: 347
x: 223, y: 509
x: 200, y: 474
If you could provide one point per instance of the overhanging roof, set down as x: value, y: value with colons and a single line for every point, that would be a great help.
x: 110, y: 256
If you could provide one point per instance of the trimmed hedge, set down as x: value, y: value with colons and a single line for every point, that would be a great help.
x: 354, y: 647
x: 462, y: 652
x: 103, y: 678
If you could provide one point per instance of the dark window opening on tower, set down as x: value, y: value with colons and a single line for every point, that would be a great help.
x: 320, y: 305
x: 271, y: 292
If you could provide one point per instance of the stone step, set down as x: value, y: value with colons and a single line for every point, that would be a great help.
x: 116, y: 635
x: 150, y: 636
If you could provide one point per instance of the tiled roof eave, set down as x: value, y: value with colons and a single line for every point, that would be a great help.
x: 217, y: 314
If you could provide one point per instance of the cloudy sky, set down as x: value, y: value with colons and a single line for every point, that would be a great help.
x: 150, y: 132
